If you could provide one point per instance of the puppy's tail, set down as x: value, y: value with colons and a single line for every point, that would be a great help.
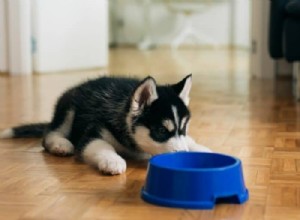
x: 25, y: 131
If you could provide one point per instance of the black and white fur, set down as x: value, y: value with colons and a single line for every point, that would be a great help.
x: 102, y: 119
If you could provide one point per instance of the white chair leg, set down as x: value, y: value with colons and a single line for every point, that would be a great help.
x: 180, y: 38
x: 204, y: 38
x: 183, y: 32
x: 189, y: 30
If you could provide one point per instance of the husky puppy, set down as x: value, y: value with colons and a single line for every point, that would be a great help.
x: 106, y: 118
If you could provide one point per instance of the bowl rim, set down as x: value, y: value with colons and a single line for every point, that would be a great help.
x: 236, y: 162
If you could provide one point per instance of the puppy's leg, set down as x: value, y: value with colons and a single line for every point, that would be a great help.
x: 193, y: 146
x: 101, y: 154
x: 56, y: 140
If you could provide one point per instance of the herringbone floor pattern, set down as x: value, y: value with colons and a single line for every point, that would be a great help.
x: 255, y: 120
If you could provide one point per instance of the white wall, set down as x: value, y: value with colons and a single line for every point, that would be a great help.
x: 19, y: 37
x: 243, y: 22
x: 214, y: 22
x: 262, y: 65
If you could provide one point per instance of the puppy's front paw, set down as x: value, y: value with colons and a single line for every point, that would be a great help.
x: 193, y: 146
x: 200, y: 148
x: 113, y: 165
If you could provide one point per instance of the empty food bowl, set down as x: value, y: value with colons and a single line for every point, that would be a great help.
x: 194, y: 180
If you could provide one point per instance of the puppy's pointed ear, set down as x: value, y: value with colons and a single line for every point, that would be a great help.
x: 143, y: 95
x: 183, y: 89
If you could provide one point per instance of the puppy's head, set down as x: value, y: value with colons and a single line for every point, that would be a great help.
x: 158, y: 117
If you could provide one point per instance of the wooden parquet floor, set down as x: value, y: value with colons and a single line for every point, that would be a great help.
x: 255, y: 120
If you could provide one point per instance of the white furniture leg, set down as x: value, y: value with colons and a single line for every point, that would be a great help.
x: 190, y: 30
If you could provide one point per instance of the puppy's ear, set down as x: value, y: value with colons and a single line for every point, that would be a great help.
x: 183, y: 89
x: 143, y: 95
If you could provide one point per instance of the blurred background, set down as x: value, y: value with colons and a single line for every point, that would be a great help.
x: 244, y: 56
x: 55, y: 36
x: 46, y: 36
x: 206, y: 23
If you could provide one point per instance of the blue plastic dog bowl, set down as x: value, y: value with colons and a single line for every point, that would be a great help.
x: 194, y: 180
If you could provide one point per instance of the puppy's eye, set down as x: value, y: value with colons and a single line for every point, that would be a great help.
x: 162, y: 131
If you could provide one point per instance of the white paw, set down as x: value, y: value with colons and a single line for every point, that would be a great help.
x: 200, y: 148
x: 112, y: 164
x: 193, y: 146
x: 60, y: 146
